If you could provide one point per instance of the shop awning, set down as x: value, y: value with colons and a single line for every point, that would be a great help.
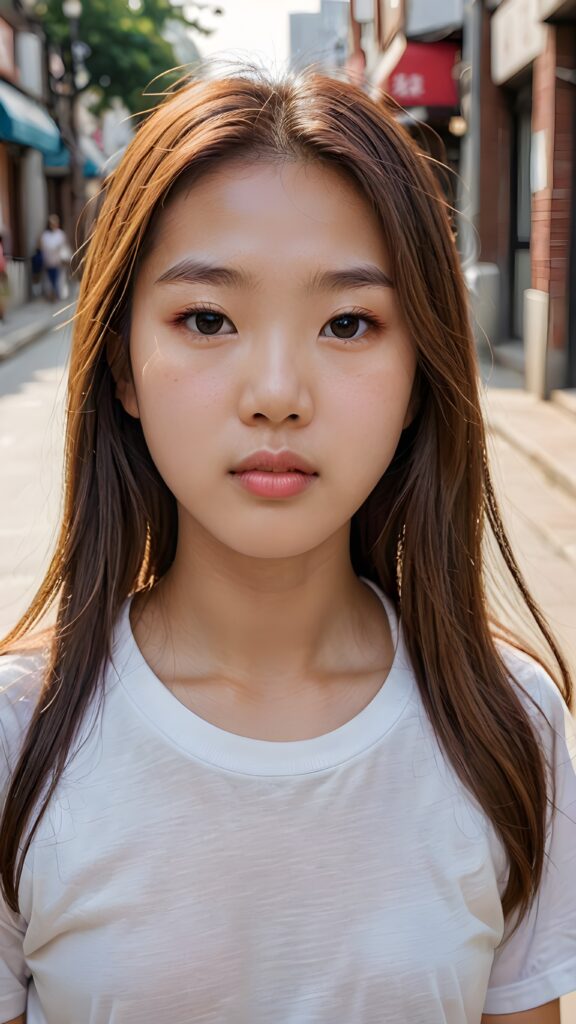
x: 60, y: 160
x: 93, y: 166
x: 25, y: 122
x: 94, y: 159
x: 423, y: 76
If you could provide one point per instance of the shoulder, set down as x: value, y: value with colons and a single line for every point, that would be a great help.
x: 529, y: 676
x: 540, y: 695
x: 21, y: 678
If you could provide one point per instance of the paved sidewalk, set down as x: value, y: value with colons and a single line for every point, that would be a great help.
x: 25, y: 324
x: 544, y: 431
x: 544, y: 436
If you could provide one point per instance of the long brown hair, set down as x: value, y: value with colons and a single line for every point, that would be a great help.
x: 119, y: 524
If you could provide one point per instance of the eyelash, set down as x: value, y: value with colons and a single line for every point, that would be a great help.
x: 374, y: 322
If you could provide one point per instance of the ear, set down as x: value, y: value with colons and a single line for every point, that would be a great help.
x: 118, y: 363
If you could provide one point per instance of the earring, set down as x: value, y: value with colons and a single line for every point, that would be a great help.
x: 400, y: 559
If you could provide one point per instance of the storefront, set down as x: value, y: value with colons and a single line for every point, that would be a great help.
x: 519, y: 270
x: 26, y: 133
x: 517, y: 40
x: 421, y: 78
x: 57, y: 168
x: 532, y: 65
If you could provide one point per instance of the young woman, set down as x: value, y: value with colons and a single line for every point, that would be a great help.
x: 277, y: 760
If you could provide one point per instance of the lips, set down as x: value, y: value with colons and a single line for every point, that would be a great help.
x: 275, y: 462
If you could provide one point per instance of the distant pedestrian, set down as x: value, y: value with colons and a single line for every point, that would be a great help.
x: 4, y: 280
x: 37, y: 269
x: 53, y: 246
x: 279, y: 758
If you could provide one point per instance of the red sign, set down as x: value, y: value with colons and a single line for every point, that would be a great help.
x: 423, y: 77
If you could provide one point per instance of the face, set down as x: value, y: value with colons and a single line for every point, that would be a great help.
x: 224, y: 366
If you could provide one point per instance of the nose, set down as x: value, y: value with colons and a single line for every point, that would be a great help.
x: 276, y: 382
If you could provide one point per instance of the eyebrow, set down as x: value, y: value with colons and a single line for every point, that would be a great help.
x: 192, y: 271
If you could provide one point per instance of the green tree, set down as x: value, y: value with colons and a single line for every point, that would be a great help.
x: 127, y: 48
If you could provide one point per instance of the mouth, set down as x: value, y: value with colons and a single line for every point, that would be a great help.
x: 279, y: 472
x: 274, y: 484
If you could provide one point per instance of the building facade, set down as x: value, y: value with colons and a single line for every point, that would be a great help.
x: 495, y: 80
x: 37, y: 135
x: 28, y: 134
x: 411, y: 51
x: 528, y: 140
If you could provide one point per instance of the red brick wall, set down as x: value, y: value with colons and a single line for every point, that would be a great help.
x: 495, y: 133
x: 552, y: 110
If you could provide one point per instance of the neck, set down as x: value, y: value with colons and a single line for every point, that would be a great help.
x: 264, y: 623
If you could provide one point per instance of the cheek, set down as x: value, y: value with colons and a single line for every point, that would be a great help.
x: 367, y: 415
x: 180, y: 410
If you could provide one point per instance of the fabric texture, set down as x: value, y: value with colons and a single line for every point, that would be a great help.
x: 188, y: 874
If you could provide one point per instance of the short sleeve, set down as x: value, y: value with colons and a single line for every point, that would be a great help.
x: 538, y: 964
x: 16, y: 702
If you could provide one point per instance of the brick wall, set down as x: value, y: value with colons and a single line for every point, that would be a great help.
x: 552, y: 110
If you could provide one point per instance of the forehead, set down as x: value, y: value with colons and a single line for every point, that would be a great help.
x: 269, y: 211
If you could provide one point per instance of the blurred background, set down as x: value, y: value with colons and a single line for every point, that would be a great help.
x: 487, y: 88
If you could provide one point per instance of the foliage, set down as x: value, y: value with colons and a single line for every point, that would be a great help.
x: 127, y: 48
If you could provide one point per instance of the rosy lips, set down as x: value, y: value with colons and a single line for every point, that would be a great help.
x: 274, y: 485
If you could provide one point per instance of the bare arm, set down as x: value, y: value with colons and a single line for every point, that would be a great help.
x: 548, y: 1013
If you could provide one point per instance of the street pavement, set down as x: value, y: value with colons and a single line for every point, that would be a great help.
x: 539, y: 513
x: 24, y: 324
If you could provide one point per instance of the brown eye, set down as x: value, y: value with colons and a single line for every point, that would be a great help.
x: 207, y: 323
x: 203, y: 321
x: 346, y: 326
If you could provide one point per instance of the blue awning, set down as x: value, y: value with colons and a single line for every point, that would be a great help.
x: 93, y: 165
x: 59, y: 160
x: 25, y: 122
x: 94, y: 159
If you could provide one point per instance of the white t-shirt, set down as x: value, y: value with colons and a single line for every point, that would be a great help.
x: 52, y: 243
x: 192, y: 875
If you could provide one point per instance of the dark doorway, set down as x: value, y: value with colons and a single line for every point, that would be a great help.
x: 521, y: 208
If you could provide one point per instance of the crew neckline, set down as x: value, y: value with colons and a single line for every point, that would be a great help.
x: 202, y: 740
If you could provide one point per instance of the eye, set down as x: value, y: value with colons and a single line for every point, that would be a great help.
x: 208, y: 321
x: 347, y: 325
